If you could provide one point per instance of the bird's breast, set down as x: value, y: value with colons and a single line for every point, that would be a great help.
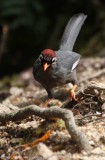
x: 52, y: 77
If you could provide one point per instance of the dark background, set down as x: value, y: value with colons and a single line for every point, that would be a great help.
x: 29, y: 26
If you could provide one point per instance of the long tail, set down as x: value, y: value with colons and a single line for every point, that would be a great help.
x: 71, y: 31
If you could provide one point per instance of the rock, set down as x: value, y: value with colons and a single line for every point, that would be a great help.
x: 16, y: 90
x: 103, y: 107
x: 45, y: 152
x: 96, y: 92
x: 63, y: 152
x: 26, y: 125
x: 97, y: 65
x: 92, y: 143
x: 103, y: 97
x: 41, y: 150
x: 98, y: 151
x: 3, y: 156
x: 4, y: 109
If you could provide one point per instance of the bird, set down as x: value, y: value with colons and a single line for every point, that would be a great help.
x: 57, y: 68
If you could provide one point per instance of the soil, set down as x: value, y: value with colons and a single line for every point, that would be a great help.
x: 22, y: 90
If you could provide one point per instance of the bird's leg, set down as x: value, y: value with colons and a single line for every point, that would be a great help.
x: 44, y: 105
x: 72, y: 92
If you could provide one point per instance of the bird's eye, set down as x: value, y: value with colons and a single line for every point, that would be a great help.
x: 54, y: 60
x: 41, y: 57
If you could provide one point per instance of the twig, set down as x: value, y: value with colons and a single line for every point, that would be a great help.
x: 34, y: 143
x: 98, y: 119
x: 88, y: 116
x: 91, y: 86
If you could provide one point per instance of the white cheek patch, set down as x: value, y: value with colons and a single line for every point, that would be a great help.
x: 75, y: 64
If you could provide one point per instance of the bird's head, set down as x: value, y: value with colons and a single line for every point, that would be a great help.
x: 47, y: 58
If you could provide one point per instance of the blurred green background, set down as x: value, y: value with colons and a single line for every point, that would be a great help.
x: 29, y: 26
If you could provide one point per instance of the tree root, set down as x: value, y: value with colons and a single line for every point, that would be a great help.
x: 52, y: 112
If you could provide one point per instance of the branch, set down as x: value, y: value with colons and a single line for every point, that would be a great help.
x: 52, y: 112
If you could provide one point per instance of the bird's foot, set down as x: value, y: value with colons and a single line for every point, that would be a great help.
x: 72, y: 93
x: 73, y: 96
x: 34, y: 143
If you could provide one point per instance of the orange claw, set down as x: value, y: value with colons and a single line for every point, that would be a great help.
x: 42, y: 139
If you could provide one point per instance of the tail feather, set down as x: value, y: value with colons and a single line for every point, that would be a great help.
x: 71, y: 31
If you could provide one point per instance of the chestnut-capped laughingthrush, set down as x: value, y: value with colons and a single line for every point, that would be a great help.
x: 57, y: 68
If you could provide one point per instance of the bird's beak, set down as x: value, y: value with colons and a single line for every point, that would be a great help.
x: 46, y: 65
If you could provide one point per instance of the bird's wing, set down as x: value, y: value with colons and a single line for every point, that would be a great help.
x: 68, y: 59
x: 36, y: 67
x: 71, y: 31
x: 75, y: 64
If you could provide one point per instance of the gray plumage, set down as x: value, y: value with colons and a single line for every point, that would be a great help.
x: 71, y: 32
x: 63, y: 71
